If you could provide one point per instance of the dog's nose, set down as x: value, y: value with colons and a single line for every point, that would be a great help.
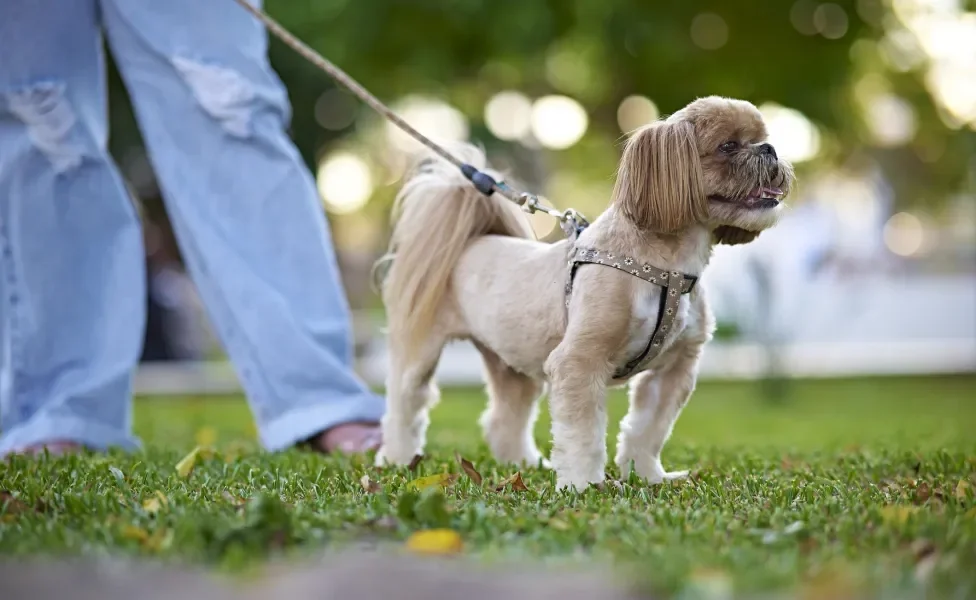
x: 767, y: 149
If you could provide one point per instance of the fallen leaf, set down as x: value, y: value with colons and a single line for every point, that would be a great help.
x: 206, y: 436
x: 160, y: 540
x: 469, y: 469
x: 152, y: 506
x: 415, y: 462
x: 131, y: 532
x: 435, y: 541
x: 963, y: 489
x: 922, y: 493
x: 515, y: 481
x: 185, y: 466
x: 897, y: 513
x: 441, y: 479
x: 12, y: 505
x: 238, y: 503
x: 370, y: 486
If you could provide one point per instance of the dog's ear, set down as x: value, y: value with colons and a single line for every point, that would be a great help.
x: 659, y: 183
x: 733, y: 236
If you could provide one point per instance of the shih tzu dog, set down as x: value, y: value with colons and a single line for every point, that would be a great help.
x: 617, y: 305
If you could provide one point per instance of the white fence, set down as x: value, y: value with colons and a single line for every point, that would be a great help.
x: 831, y: 327
x: 461, y: 365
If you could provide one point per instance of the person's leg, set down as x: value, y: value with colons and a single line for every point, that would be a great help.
x: 71, y: 259
x: 245, y: 210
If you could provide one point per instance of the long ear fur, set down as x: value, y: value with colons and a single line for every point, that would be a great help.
x: 660, y: 186
x: 733, y: 236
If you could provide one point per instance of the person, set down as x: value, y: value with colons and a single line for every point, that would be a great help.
x: 243, y: 205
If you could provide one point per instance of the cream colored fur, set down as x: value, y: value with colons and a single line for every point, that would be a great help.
x: 466, y: 266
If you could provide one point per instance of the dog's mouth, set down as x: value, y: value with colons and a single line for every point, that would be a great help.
x: 759, y: 198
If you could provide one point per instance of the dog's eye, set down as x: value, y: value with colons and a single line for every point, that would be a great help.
x: 730, y: 146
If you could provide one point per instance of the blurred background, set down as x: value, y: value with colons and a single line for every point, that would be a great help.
x: 872, y: 272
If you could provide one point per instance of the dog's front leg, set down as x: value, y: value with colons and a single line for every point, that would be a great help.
x: 578, y: 392
x: 656, y: 400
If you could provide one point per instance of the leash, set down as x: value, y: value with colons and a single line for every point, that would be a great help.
x: 571, y: 222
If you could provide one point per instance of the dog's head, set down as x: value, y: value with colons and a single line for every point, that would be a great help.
x: 707, y: 164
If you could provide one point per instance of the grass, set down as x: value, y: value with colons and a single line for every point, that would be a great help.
x: 843, y: 485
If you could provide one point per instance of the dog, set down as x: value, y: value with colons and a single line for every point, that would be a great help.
x: 576, y: 313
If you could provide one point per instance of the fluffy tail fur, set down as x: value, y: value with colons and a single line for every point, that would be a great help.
x: 436, y: 215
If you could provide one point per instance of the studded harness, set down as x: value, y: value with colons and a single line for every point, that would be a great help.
x: 675, y: 284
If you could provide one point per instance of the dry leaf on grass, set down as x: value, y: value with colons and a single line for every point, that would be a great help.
x: 441, y: 479
x: 12, y: 505
x: 415, y: 462
x: 897, y: 514
x: 963, y: 489
x: 131, y: 532
x: 435, y: 541
x: 369, y: 485
x: 515, y: 481
x: 922, y: 492
x: 469, y: 469
x: 238, y: 503
x: 159, y: 540
x: 155, y: 503
x: 186, y: 465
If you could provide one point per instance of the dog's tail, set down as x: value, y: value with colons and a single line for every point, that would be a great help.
x: 436, y: 215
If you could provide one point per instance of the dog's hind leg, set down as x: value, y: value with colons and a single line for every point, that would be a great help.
x: 411, y: 393
x: 513, y: 406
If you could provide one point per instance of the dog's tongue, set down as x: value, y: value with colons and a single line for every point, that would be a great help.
x: 766, y: 193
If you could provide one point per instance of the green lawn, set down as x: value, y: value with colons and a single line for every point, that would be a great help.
x: 843, y: 484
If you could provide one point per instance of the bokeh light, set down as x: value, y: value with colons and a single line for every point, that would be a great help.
x: 892, y: 120
x: 796, y: 139
x: 344, y: 182
x: 558, y: 122
x: 830, y: 21
x: 335, y: 110
x: 903, y: 234
x: 508, y: 115
x: 801, y: 16
x: 635, y: 111
x: 432, y: 117
x: 709, y: 31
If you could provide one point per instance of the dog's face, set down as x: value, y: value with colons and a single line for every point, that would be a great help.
x: 709, y: 164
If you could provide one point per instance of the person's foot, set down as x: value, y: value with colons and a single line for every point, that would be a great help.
x: 54, y: 448
x: 348, y: 438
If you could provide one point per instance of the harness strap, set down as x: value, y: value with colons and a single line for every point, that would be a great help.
x: 674, y: 283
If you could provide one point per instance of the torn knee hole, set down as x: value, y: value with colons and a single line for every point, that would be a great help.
x: 51, y: 123
x: 224, y: 94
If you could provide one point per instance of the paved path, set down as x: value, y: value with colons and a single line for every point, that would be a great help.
x: 342, y: 577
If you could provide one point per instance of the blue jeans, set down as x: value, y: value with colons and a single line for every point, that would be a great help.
x: 242, y: 203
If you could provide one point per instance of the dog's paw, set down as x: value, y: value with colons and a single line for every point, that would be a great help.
x: 673, y: 476
x: 577, y: 481
x: 650, y: 471
x: 387, y: 458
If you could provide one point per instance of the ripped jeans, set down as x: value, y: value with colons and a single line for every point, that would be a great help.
x: 242, y: 202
